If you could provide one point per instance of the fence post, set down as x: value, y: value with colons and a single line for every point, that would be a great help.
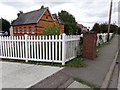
x: 63, y: 48
x: 26, y: 51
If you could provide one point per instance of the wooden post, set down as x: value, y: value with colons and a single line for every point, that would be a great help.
x: 110, y: 13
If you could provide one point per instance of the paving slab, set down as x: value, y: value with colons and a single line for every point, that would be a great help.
x: 17, y: 75
x: 76, y: 84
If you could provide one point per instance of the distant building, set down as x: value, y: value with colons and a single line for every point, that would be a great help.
x: 34, y: 22
x: 83, y: 28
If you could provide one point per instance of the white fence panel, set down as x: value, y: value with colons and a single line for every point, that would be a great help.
x: 102, y: 37
x: 59, y: 49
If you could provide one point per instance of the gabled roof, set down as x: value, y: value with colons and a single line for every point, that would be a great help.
x: 30, y: 17
x: 56, y: 17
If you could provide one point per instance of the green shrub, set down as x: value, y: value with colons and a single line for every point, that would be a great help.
x: 52, y: 29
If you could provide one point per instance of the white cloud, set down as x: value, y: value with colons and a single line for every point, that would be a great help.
x: 7, y: 12
x: 85, y: 12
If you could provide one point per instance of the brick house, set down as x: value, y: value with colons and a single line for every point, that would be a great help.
x: 33, y: 23
x: 83, y: 28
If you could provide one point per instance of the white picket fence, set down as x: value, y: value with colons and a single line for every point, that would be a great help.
x: 58, y: 49
x: 103, y: 38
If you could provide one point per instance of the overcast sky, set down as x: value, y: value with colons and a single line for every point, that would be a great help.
x: 86, y: 12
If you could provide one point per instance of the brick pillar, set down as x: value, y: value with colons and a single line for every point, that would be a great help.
x: 89, y: 45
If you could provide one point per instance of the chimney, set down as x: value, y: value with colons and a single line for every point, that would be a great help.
x: 20, y: 13
x: 42, y: 7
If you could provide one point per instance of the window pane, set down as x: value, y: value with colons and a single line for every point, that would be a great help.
x: 33, y: 31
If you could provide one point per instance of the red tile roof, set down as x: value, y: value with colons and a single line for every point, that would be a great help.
x: 80, y: 25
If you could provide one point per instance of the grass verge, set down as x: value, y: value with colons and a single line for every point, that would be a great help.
x: 103, y: 44
x: 77, y: 62
x: 95, y: 87
x: 34, y: 62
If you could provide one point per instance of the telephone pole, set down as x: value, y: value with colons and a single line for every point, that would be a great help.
x: 110, y: 14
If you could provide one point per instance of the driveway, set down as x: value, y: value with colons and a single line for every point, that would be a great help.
x: 16, y: 75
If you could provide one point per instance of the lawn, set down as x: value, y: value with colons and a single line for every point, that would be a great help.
x: 77, y: 62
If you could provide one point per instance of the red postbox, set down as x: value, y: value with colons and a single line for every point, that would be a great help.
x: 89, y: 45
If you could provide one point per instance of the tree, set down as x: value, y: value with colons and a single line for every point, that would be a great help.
x: 78, y: 31
x: 4, y: 25
x: 69, y: 22
x: 52, y: 29
x: 103, y: 28
x: 96, y: 28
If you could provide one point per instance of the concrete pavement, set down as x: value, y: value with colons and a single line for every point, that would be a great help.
x: 115, y: 80
x: 16, y: 75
